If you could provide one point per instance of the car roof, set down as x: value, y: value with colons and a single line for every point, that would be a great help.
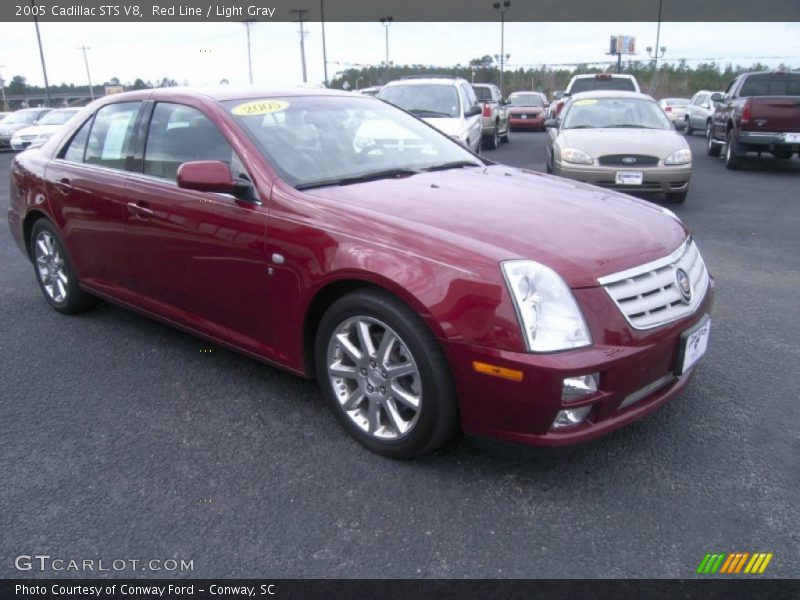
x: 604, y: 74
x: 223, y: 93
x: 425, y: 81
x: 482, y: 85
x: 611, y: 94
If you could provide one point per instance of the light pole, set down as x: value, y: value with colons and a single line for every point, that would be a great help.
x: 357, y: 80
x: 247, y: 25
x: 41, y: 53
x: 386, y: 21
x: 3, y: 91
x: 300, y: 15
x: 502, y: 9
x: 84, y: 48
x: 662, y: 49
x: 324, y: 50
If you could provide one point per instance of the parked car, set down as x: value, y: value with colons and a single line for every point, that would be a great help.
x: 447, y: 103
x: 426, y: 289
x: 47, y: 126
x: 699, y: 111
x: 619, y: 140
x: 3, y: 115
x: 17, y: 120
x: 591, y: 82
x: 495, y: 114
x: 526, y: 110
x: 676, y: 110
x: 370, y: 91
x: 759, y: 112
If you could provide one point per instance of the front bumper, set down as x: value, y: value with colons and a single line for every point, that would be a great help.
x: 20, y: 144
x: 654, y: 179
x: 636, y: 378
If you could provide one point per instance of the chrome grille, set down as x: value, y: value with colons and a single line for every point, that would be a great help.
x: 628, y: 160
x: 648, y: 295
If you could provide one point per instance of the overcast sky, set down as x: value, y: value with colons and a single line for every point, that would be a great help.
x: 205, y: 53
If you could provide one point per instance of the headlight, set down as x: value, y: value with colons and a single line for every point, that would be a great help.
x: 548, y: 314
x: 578, y: 157
x: 679, y: 157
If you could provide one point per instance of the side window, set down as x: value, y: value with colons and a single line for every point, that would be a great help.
x: 112, y: 134
x: 77, y: 146
x: 179, y: 134
x: 731, y: 85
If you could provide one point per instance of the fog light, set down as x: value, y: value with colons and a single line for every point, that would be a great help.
x: 571, y: 417
x: 576, y: 388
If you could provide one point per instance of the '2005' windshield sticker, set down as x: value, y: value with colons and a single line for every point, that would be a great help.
x: 584, y: 102
x: 259, y: 107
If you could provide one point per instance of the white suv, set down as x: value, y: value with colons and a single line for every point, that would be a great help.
x: 447, y: 103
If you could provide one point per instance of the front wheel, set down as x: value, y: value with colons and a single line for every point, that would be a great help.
x: 385, y: 376
x: 506, y: 137
x: 494, y: 141
x: 732, y: 158
x: 688, y: 126
x: 712, y: 146
x: 54, y: 271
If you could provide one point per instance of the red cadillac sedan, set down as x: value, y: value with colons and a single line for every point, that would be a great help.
x: 338, y: 237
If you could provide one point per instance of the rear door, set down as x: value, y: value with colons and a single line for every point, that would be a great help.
x: 86, y: 188
x: 197, y: 257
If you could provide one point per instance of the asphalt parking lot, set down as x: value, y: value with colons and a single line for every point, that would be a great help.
x: 122, y: 438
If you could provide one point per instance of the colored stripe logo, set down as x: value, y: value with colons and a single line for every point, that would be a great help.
x: 735, y: 563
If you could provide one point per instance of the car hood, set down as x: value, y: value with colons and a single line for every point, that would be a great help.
x: 37, y: 129
x: 449, y: 126
x: 498, y: 213
x: 598, y: 142
x: 12, y: 128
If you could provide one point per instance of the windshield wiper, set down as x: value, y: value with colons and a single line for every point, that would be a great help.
x: 627, y: 126
x: 456, y: 164
x: 425, y: 111
x: 580, y: 127
x: 373, y: 176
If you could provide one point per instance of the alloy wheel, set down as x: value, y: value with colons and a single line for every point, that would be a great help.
x: 51, y: 267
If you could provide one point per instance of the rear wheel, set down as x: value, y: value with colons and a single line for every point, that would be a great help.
x: 733, y: 160
x: 712, y: 146
x: 385, y: 376
x: 54, y: 271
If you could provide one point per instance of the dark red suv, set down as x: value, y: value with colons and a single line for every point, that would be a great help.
x: 341, y: 238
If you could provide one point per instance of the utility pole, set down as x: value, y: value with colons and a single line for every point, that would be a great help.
x: 386, y: 21
x: 84, y: 48
x: 247, y: 25
x: 300, y: 15
x: 41, y: 53
x: 324, y: 50
x: 502, y: 9
x: 659, y: 52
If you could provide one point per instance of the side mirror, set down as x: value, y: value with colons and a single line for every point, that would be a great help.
x: 558, y: 95
x: 210, y: 176
x: 552, y: 123
x: 474, y: 110
x: 717, y: 97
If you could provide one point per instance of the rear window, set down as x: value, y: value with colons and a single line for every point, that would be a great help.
x: 589, y: 84
x: 771, y: 84
x: 483, y: 94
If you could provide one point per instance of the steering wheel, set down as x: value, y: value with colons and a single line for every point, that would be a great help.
x: 362, y: 154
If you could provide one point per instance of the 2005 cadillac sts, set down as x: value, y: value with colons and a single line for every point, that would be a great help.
x: 339, y: 237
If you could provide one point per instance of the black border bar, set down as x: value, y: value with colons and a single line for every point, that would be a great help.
x: 542, y: 11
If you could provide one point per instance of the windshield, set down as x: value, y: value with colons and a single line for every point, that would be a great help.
x: 634, y: 113
x: 426, y: 101
x: 526, y: 100
x: 21, y: 116
x: 57, y: 117
x: 484, y: 94
x: 314, y: 141
x: 588, y: 84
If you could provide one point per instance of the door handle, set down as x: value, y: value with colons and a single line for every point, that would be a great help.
x: 63, y: 185
x: 140, y: 210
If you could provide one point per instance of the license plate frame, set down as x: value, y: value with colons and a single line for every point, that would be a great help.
x: 693, y: 345
x: 629, y: 178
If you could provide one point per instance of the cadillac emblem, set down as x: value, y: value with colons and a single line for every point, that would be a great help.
x: 684, y: 285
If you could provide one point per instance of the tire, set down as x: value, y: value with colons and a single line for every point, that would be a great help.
x: 382, y: 414
x: 688, y: 126
x: 712, y: 146
x: 782, y: 154
x: 677, y: 197
x: 54, y: 271
x: 548, y: 167
x: 494, y: 141
x: 732, y: 158
x: 506, y: 137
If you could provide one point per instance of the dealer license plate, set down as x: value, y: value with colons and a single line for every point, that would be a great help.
x: 629, y: 178
x: 693, y: 345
